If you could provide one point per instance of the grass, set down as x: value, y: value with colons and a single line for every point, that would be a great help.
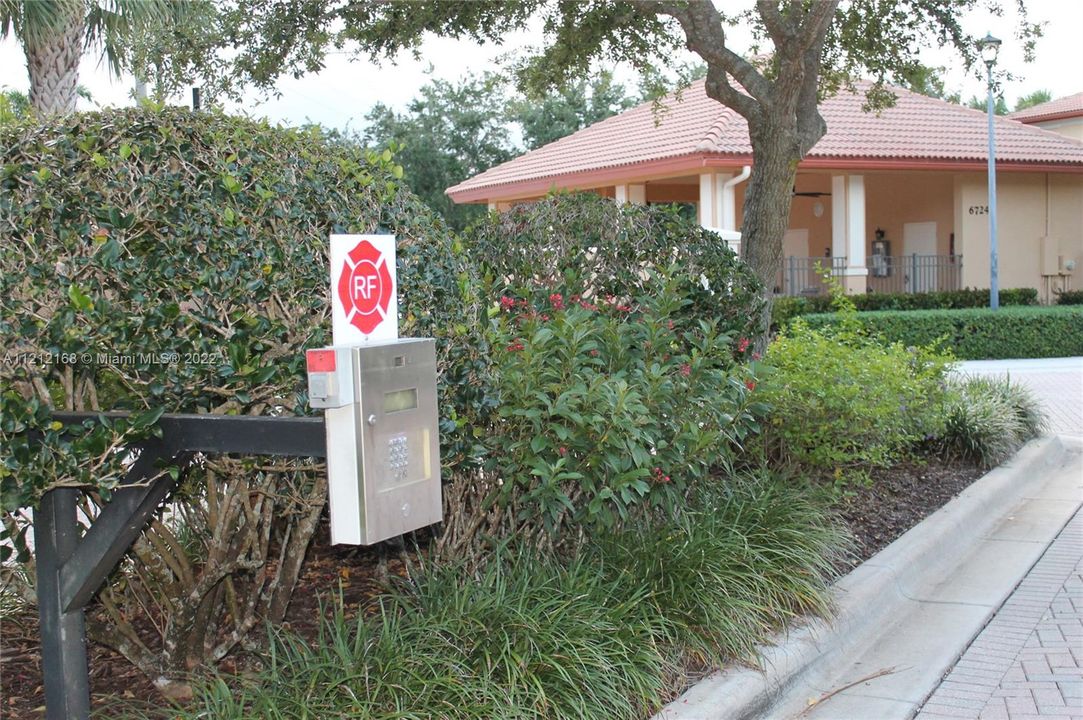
x: 988, y: 419
x: 747, y: 558
x: 606, y: 634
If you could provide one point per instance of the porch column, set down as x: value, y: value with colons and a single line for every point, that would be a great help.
x: 725, y: 213
x: 848, y: 230
x: 708, y: 205
x: 838, y: 216
x: 634, y: 193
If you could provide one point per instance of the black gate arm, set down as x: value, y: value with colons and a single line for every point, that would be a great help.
x: 236, y: 434
x: 71, y: 569
x: 118, y: 524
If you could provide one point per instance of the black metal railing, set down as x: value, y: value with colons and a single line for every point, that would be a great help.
x: 914, y: 273
x: 887, y: 274
x: 804, y: 275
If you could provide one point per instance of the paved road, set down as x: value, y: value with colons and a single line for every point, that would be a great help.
x: 1027, y: 664
x: 1057, y: 381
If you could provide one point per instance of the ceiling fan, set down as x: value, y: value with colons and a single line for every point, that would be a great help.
x: 809, y: 194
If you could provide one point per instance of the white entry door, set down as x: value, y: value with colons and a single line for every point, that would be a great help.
x: 796, y: 277
x: 919, y: 239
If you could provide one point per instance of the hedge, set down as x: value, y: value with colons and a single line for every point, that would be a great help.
x: 786, y: 308
x: 980, y: 334
x: 1071, y: 297
x: 149, y: 233
x: 164, y: 260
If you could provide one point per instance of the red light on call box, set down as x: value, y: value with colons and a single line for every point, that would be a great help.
x: 320, y: 360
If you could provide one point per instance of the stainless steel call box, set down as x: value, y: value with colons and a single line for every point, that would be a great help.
x: 383, y: 442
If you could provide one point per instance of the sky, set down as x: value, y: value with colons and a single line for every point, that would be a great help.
x: 341, y: 94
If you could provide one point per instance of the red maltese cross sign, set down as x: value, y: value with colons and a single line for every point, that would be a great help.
x: 364, y: 306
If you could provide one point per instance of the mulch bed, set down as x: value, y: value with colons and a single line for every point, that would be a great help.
x: 897, y: 499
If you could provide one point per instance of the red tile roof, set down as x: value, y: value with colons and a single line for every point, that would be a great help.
x: 697, y: 131
x: 1065, y: 107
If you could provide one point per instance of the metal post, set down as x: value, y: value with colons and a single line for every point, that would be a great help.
x: 994, y: 280
x: 70, y: 569
x: 789, y: 290
x: 63, y: 634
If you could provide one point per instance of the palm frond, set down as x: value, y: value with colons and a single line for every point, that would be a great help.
x: 112, y: 24
x: 34, y: 21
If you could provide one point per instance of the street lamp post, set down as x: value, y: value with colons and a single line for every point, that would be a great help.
x: 990, y: 46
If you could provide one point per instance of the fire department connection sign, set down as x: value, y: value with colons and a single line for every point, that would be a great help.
x: 364, y: 298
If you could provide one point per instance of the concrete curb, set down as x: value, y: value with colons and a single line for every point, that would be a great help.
x: 873, y: 594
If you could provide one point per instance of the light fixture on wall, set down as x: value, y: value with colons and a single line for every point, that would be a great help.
x: 879, y: 234
x: 818, y: 209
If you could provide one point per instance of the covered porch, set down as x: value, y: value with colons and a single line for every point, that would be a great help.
x: 873, y: 232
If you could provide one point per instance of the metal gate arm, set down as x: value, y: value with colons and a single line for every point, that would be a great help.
x: 118, y: 525
x: 139, y: 496
x: 247, y: 434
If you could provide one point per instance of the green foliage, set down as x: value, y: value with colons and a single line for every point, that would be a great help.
x: 929, y: 81
x: 14, y: 106
x: 1071, y: 297
x: 602, y: 350
x: 524, y: 638
x: 54, y: 452
x: 450, y: 132
x: 749, y: 554
x: 584, y: 244
x: 786, y: 308
x: 780, y: 85
x: 560, y: 113
x: 1031, y: 99
x: 55, y: 33
x: 606, y: 407
x: 1000, y: 107
x: 600, y: 636
x: 177, y: 261
x: 978, y: 334
x: 184, y: 44
x: 988, y: 419
x: 453, y: 131
x: 843, y: 400
x: 105, y: 26
x: 658, y: 81
x: 166, y: 261
x: 862, y: 40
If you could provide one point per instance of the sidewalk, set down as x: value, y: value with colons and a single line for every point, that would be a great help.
x: 977, y: 612
x: 1028, y: 661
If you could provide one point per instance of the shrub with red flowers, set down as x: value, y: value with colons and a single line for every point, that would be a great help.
x: 583, y: 249
x: 608, y: 407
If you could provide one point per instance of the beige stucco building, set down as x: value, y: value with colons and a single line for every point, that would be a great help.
x: 1063, y: 116
x: 891, y: 202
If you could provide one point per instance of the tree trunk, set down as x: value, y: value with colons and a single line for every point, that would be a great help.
x: 767, y: 204
x: 52, y: 61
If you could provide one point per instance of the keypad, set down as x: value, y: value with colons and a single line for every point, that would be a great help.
x: 398, y: 457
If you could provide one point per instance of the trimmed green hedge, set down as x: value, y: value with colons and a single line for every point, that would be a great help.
x: 786, y: 308
x: 979, y: 334
x: 1072, y: 297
